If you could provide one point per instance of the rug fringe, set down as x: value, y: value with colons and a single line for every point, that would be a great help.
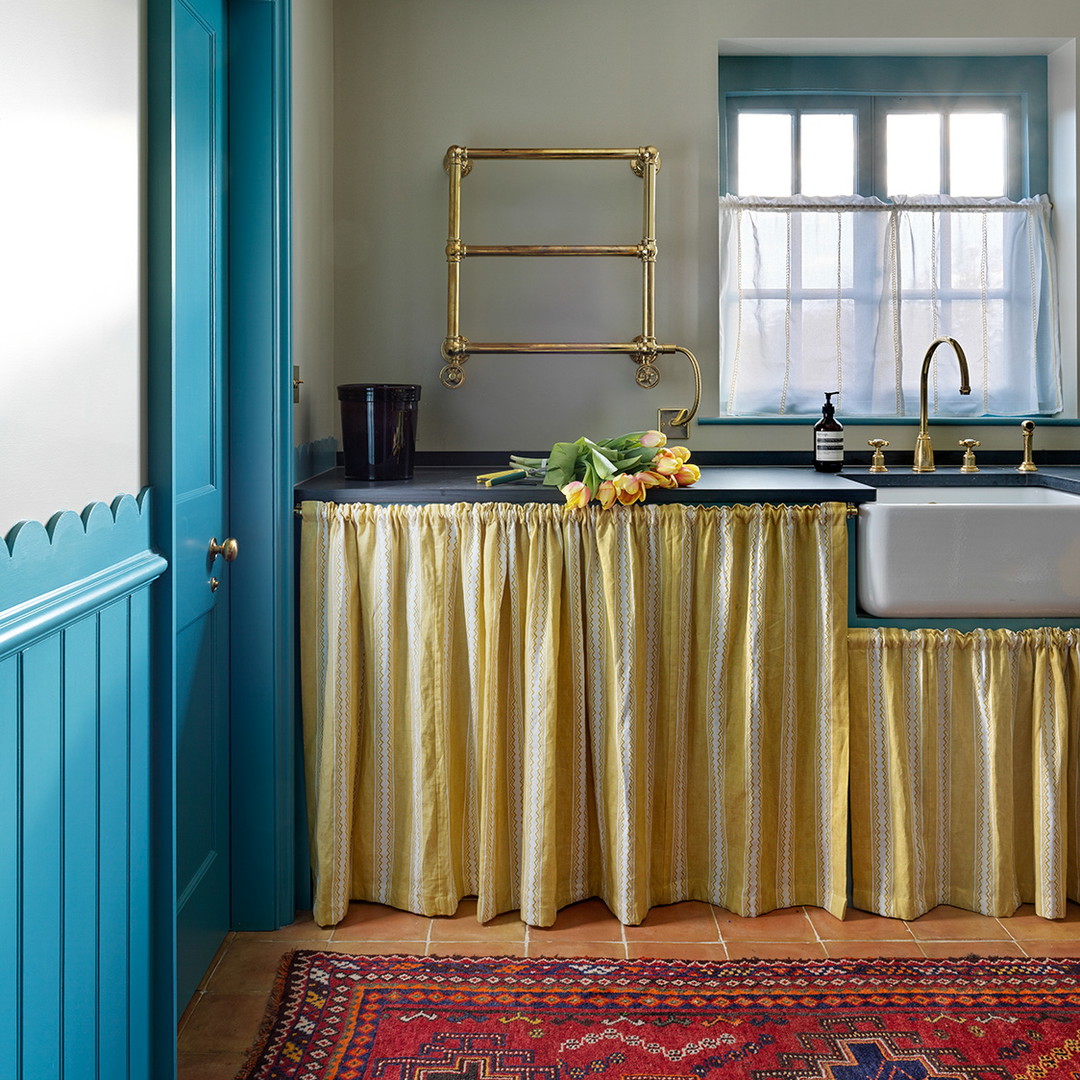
x: 266, y: 1028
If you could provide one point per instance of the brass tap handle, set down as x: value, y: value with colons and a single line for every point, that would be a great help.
x: 1027, y: 428
x: 969, y: 465
x: 877, y: 462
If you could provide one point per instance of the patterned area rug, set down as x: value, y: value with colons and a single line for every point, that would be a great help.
x: 463, y: 1018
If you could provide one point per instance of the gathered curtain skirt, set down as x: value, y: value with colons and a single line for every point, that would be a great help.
x: 536, y: 705
x: 965, y: 770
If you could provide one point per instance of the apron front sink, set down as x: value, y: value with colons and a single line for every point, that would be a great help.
x: 998, y: 551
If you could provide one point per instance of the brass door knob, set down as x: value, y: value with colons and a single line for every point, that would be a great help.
x: 228, y: 549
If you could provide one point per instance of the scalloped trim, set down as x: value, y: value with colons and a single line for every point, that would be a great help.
x: 66, y: 523
x: 37, y: 559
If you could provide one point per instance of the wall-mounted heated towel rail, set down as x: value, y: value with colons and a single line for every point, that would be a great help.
x: 644, y: 349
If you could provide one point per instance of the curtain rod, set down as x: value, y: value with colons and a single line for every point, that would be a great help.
x: 736, y: 202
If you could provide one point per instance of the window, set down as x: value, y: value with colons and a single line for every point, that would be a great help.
x: 865, y: 219
x: 877, y: 144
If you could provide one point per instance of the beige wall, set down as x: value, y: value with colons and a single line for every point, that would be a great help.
x: 383, y: 87
x: 413, y: 77
x: 313, y: 216
x: 71, y: 355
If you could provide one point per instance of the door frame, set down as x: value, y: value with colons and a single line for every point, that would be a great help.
x: 263, y: 777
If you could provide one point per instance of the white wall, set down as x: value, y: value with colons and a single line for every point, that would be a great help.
x: 71, y: 352
x: 413, y: 78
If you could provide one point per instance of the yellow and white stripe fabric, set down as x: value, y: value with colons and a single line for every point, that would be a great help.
x: 965, y: 772
x: 536, y: 705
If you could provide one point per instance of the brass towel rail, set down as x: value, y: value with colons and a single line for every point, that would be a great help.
x: 644, y: 349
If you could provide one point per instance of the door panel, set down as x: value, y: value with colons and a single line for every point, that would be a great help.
x: 200, y: 493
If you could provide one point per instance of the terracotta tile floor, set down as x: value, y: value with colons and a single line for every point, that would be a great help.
x: 223, y: 1019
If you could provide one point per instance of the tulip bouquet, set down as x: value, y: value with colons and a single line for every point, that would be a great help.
x: 618, y: 470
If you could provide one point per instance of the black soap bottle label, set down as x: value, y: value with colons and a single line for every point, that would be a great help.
x: 828, y: 438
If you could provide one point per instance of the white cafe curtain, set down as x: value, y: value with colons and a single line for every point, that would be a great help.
x: 846, y: 294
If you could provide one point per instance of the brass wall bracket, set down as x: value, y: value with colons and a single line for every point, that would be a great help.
x: 644, y: 349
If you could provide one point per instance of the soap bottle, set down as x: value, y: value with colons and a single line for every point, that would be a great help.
x: 828, y: 438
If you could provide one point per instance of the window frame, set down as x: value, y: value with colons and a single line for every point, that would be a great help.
x: 873, y: 86
x: 871, y: 112
x: 928, y: 82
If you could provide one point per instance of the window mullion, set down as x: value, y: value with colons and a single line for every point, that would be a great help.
x: 796, y: 151
x: 945, y: 185
x: 875, y: 151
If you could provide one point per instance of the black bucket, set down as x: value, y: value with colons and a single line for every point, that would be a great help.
x: 378, y: 429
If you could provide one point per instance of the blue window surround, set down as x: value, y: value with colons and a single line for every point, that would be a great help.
x: 919, y: 76
x: 1021, y: 77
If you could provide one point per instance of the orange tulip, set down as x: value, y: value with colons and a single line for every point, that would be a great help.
x: 629, y: 489
x: 606, y: 494
x: 680, y: 452
x: 653, y: 479
x: 577, y: 494
x: 653, y: 438
x: 665, y: 463
x: 687, y: 474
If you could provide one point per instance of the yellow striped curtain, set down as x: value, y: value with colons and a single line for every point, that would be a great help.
x: 536, y: 705
x: 965, y: 777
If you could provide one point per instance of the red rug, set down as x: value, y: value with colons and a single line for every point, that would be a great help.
x: 462, y: 1018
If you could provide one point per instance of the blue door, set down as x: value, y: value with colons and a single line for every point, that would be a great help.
x: 200, y: 487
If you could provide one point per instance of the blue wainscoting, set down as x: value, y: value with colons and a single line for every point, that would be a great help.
x: 75, y: 795
x: 312, y: 458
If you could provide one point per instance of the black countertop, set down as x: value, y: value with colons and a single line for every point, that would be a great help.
x: 1062, y: 477
x: 718, y: 484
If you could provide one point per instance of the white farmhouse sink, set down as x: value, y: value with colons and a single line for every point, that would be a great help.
x: 970, y: 551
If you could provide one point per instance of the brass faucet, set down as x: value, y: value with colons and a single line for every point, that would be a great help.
x: 924, y: 450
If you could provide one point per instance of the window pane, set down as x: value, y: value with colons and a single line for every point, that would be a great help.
x: 825, y: 246
x: 978, y: 251
x: 827, y: 153
x: 765, y: 248
x: 913, y: 153
x: 764, y: 154
x: 977, y: 154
